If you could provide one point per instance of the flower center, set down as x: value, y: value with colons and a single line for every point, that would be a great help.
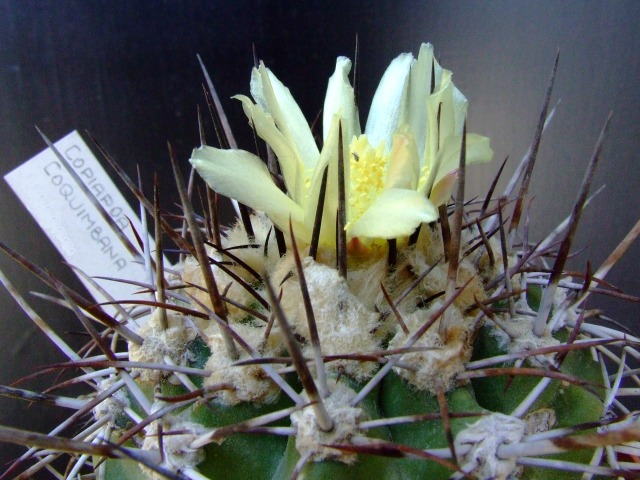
x: 367, y: 174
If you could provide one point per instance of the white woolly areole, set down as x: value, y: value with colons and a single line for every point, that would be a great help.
x: 161, y: 342
x: 310, y: 438
x: 437, y: 279
x: 192, y: 274
x: 439, y: 364
x: 428, y: 251
x: 519, y: 337
x: 344, y: 324
x: 480, y: 443
x: 364, y: 281
x: 114, y: 405
x: 255, y: 258
x: 177, y: 453
x: 250, y: 382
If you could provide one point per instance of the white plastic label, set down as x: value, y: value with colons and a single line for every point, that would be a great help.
x: 71, y: 220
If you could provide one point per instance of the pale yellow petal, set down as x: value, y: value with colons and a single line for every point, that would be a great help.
x: 441, y: 191
x: 444, y: 107
x: 276, y: 99
x: 340, y: 99
x: 385, y: 107
x: 478, y: 150
x: 414, y: 110
x: 434, y: 105
x: 395, y: 213
x: 438, y: 111
x: 290, y: 165
x: 453, y: 109
x: 243, y: 176
x: 404, y: 163
x: 460, y: 106
x: 328, y: 159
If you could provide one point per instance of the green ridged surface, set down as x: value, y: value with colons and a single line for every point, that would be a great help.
x: 572, y: 404
x: 271, y: 457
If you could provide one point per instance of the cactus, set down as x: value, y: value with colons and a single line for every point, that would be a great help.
x: 354, y: 323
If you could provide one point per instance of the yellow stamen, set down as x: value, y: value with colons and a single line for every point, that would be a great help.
x: 368, y: 170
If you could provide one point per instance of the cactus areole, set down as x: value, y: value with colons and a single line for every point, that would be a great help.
x: 360, y: 320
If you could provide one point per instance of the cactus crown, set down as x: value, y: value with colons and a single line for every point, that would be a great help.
x: 356, y: 323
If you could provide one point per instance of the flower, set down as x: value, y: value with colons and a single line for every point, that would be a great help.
x: 398, y: 171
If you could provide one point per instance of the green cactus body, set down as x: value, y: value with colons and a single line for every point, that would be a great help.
x: 562, y: 404
x: 401, y: 399
x: 230, y: 459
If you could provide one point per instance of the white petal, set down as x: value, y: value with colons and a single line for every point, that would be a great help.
x: 385, y: 107
x: 290, y: 164
x: 241, y: 175
x: 395, y: 213
x: 340, y: 99
x: 276, y: 99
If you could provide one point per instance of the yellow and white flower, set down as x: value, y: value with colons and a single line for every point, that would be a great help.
x: 396, y: 173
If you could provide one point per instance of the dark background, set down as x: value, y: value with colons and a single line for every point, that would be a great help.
x: 127, y: 72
